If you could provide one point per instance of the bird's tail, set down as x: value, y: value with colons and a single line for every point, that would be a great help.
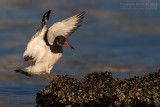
x: 24, y: 71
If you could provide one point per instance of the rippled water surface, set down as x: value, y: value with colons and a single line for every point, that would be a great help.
x: 117, y: 36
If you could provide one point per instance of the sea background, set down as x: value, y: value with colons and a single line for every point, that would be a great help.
x: 120, y: 36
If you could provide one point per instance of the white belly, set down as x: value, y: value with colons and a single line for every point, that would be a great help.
x: 53, y: 59
x: 46, y: 63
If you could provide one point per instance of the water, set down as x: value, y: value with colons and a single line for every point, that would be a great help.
x: 117, y: 36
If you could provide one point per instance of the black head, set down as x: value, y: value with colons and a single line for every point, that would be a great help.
x: 58, y: 43
x: 59, y: 40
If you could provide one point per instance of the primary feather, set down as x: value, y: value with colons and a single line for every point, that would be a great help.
x: 64, y: 28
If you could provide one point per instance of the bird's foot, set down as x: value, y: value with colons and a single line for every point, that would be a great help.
x: 50, y: 76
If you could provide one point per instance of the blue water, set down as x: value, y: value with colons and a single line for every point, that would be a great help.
x: 115, y: 36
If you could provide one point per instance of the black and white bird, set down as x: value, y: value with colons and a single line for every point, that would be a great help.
x: 45, y: 48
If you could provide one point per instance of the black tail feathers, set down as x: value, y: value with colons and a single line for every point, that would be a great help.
x: 23, y: 72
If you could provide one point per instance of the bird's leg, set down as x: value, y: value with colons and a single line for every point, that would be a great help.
x: 51, y: 76
x: 48, y: 78
x: 48, y: 75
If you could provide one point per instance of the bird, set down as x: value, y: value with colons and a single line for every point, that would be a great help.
x: 45, y: 47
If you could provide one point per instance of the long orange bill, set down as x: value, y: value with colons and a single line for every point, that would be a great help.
x: 65, y: 43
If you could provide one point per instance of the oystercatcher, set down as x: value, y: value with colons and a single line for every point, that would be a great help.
x: 45, y: 48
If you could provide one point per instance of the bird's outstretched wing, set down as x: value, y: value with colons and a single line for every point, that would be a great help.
x: 36, y: 46
x: 64, y: 28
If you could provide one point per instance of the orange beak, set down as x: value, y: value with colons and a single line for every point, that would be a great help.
x: 65, y: 43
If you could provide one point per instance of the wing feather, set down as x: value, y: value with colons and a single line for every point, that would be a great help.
x: 65, y: 27
x: 36, y: 47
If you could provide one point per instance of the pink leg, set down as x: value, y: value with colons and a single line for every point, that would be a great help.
x: 48, y: 78
x: 51, y: 76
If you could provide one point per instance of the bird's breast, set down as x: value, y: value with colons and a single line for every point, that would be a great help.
x: 54, y: 58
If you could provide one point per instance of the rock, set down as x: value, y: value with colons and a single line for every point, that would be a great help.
x: 101, y: 89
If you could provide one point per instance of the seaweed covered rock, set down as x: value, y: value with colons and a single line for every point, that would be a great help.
x: 101, y: 89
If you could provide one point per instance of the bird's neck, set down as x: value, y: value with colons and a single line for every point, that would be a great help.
x: 55, y: 48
